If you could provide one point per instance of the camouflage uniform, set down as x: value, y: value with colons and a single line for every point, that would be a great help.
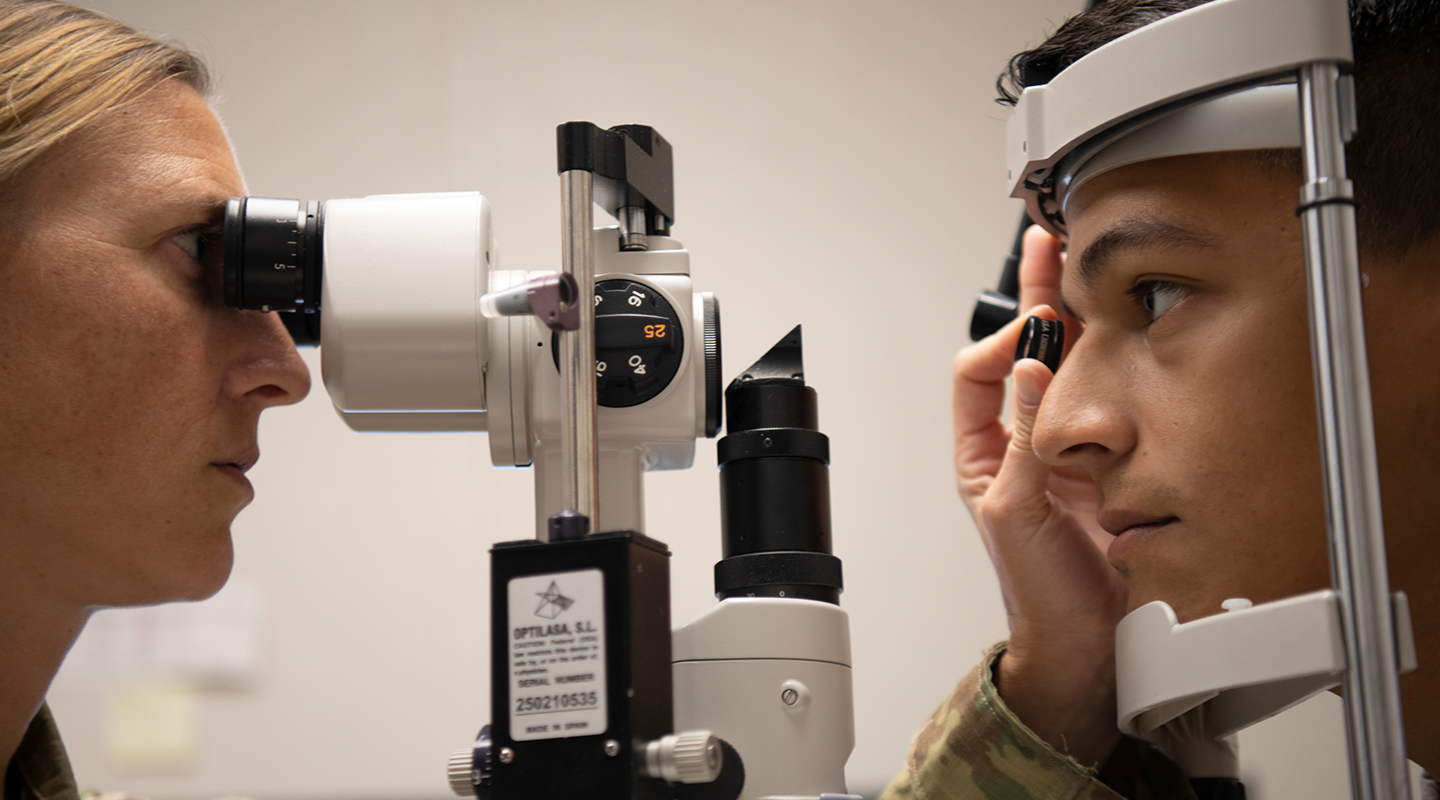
x: 39, y: 769
x: 974, y: 747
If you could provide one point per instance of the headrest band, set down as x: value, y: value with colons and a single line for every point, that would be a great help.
x: 1259, y: 118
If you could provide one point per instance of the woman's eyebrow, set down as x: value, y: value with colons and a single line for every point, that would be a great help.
x: 190, y: 194
x: 1136, y: 234
x: 208, y: 204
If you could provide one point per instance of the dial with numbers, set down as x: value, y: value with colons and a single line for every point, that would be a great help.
x: 639, y: 343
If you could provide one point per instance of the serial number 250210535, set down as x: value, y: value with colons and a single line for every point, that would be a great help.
x: 555, y: 702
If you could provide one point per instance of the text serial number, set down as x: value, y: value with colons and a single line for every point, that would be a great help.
x: 556, y: 702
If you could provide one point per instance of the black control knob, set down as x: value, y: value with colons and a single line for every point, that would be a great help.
x: 469, y: 768
x: 639, y: 343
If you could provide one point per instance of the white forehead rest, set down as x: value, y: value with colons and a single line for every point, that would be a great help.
x: 1262, y: 118
x: 1189, y: 56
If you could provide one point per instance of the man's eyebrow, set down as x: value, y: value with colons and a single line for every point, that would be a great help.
x: 1136, y: 234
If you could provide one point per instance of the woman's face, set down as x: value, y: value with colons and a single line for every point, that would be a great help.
x: 129, y: 393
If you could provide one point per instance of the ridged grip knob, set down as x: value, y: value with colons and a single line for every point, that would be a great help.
x: 461, y: 772
x: 689, y: 757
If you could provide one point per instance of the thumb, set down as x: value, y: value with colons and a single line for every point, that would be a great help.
x: 1023, y: 479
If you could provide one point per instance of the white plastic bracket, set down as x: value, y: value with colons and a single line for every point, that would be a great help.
x: 1085, y: 106
x: 1244, y: 665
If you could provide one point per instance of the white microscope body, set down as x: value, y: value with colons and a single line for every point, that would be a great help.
x: 405, y: 283
x: 408, y: 349
x: 771, y: 676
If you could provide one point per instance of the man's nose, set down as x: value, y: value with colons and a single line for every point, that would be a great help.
x: 1087, y: 417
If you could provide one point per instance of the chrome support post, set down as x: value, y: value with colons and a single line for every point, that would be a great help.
x: 577, y: 349
x: 1347, y: 433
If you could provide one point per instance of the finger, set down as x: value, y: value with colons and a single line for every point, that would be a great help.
x: 1042, y: 263
x: 979, y: 375
x: 980, y: 372
x: 1040, y: 269
x: 981, y: 437
x: 1020, y: 487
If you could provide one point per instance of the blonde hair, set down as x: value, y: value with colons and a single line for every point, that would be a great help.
x: 62, y: 66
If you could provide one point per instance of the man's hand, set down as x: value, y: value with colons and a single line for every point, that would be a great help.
x: 1062, y: 598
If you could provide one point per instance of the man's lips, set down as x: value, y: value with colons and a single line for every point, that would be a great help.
x: 1129, y: 529
x: 1120, y: 522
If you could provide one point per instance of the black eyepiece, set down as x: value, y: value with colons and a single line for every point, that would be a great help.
x: 775, y: 485
x: 273, y: 260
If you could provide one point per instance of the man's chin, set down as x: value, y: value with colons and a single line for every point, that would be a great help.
x: 1188, y: 606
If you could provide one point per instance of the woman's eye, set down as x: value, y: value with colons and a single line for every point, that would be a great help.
x: 189, y: 241
x: 1159, y: 297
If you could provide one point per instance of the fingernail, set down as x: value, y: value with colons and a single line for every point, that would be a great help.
x: 1027, y: 389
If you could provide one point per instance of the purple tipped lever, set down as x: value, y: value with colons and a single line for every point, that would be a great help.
x: 550, y: 298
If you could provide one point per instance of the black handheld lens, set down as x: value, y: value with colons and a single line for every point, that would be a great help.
x: 273, y: 260
x: 1043, y: 340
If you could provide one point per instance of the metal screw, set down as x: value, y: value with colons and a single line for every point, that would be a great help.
x: 506, y: 755
x: 612, y: 747
x: 789, y: 696
x: 766, y: 441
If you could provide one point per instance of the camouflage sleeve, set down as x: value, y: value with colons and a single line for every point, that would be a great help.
x: 973, y: 747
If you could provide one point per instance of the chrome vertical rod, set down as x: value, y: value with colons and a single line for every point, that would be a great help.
x: 577, y: 350
x: 1347, y: 432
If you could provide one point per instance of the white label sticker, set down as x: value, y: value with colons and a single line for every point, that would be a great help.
x: 557, y: 655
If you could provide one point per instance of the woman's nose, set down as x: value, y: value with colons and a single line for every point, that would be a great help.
x: 270, y: 371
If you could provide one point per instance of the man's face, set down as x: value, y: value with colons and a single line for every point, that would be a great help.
x: 1188, y: 398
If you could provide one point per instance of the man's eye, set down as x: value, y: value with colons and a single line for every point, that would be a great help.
x: 1158, y: 297
x: 189, y: 241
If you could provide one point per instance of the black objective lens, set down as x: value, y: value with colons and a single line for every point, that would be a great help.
x: 775, y: 485
x: 273, y: 260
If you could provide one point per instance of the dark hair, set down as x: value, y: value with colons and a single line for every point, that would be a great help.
x: 1395, y: 158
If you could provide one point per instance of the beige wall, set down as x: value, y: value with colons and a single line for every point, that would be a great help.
x: 837, y: 164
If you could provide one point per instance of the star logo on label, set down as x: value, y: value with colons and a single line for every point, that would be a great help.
x: 552, y: 603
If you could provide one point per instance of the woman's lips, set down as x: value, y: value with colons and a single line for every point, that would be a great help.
x: 241, y: 461
x: 237, y: 473
x: 238, y: 466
